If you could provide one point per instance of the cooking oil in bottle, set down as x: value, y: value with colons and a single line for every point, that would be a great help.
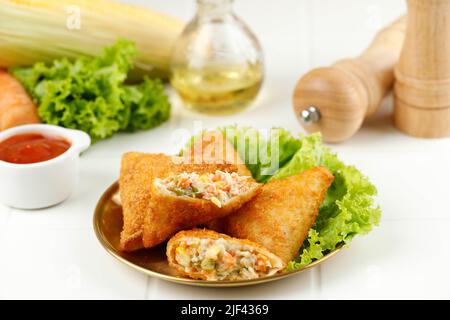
x: 218, y: 89
x: 217, y: 62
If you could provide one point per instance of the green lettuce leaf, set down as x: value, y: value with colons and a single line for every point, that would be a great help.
x: 349, y: 207
x: 89, y: 94
x: 148, y: 104
x: 262, y: 155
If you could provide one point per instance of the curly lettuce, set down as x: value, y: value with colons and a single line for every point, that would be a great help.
x: 89, y: 94
x: 262, y: 155
x: 349, y: 208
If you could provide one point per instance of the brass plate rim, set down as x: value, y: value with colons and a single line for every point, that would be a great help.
x: 186, y: 281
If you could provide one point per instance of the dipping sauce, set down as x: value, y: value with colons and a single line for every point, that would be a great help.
x: 32, y: 148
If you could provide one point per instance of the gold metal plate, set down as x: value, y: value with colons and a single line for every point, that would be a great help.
x: 153, y: 262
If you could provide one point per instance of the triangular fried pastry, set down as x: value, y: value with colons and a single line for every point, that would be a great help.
x: 138, y: 170
x: 208, y: 255
x: 213, y: 147
x: 191, y: 198
x: 280, y: 217
x: 210, y: 152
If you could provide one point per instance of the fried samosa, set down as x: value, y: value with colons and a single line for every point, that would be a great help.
x: 210, y: 152
x: 280, y: 217
x: 191, y: 198
x: 138, y: 170
x: 213, y: 147
x: 208, y: 255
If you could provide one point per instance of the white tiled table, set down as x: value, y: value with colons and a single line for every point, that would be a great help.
x: 53, y: 253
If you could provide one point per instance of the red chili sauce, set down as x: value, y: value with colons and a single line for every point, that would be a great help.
x: 32, y: 148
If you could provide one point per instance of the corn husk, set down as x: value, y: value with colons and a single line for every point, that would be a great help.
x: 42, y: 30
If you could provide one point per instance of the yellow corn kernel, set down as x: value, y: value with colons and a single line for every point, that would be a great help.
x: 216, y: 202
x: 41, y: 30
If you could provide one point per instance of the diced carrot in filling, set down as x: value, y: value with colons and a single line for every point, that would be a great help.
x: 218, y: 187
x: 222, y: 260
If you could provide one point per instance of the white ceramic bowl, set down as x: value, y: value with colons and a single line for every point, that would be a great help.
x: 42, y: 184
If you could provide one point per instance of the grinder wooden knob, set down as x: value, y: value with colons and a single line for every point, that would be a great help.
x: 422, y: 89
x: 336, y: 100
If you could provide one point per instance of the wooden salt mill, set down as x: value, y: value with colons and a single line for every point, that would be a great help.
x: 337, y: 99
x: 422, y: 89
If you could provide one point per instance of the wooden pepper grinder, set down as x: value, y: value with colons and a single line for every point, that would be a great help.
x: 422, y: 89
x: 337, y: 99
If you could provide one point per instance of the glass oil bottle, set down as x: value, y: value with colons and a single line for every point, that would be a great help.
x: 217, y: 63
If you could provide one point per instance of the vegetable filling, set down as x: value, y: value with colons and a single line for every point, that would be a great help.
x: 222, y: 260
x: 218, y: 187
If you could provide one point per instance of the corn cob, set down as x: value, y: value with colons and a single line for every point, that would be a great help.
x: 42, y: 30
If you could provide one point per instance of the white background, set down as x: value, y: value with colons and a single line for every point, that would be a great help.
x: 53, y: 253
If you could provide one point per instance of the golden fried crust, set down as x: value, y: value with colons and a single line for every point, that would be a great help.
x: 137, y: 170
x: 137, y: 173
x: 169, y: 213
x: 280, y: 217
x: 212, y: 152
x: 213, y: 147
x: 209, y: 234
